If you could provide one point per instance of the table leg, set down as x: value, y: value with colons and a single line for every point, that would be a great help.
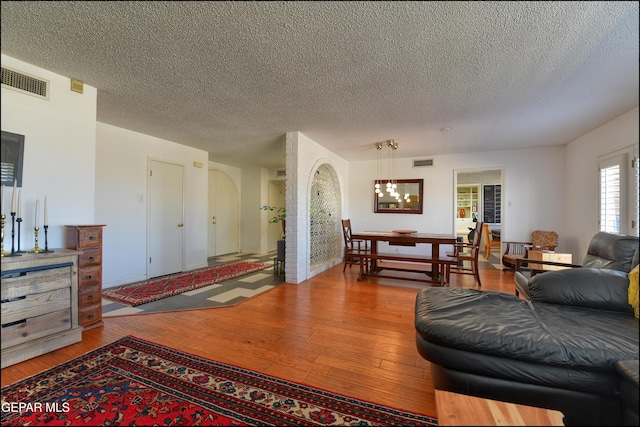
x: 364, y: 270
x: 361, y: 273
x: 435, y: 265
x: 374, y: 260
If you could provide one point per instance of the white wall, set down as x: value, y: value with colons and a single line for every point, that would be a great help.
x: 533, y: 193
x: 59, y: 155
x: 582, y: 177
x: 121, y: 201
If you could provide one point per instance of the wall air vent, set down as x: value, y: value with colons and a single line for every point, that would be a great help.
x: 421, y: 163
x: 21, y: 82
x: 281, y: 172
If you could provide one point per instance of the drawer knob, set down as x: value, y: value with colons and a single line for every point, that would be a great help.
x: 88, y: 277
x: 92, y: 237
x: 90, y: 297
x: 91, y: 258
x: 90, y: 316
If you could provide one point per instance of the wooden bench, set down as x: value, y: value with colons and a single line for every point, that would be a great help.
x: 373, y: 258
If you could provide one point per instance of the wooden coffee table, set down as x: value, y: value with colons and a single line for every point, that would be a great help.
x: 462, y: 410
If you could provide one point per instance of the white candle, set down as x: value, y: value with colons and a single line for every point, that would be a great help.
x: 37, y: 207
x: 19, y: 204
x: 46, y: 217
x: 13, y: 196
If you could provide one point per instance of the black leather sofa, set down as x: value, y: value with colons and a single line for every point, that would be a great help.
x: 606, y: 250
x: 557, y: 350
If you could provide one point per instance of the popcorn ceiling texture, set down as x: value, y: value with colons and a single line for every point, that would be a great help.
x: 228, y: 77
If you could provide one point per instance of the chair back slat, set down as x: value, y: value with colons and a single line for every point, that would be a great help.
x: 477, y: 237
x: 346, y: 232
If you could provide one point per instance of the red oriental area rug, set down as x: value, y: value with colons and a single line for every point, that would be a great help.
x: 134, y: 294
x: 135, y: 382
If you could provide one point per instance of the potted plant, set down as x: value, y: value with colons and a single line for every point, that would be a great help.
x: 280, y: 216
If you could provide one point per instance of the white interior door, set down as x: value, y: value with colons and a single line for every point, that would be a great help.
x: 224, y: 224
x: 165, y: 235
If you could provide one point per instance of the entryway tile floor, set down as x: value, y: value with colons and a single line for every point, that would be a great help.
x: 223, y: 294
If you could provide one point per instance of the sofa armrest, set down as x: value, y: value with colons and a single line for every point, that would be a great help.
x: 523, y: 273
x: 596, y: 288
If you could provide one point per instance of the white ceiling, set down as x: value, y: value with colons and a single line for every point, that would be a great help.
x: 232, y: 77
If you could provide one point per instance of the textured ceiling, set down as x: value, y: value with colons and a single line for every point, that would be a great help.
x: 232, y: 77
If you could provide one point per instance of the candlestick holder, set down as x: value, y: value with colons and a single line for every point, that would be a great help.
x: 36, y: 249
x: 13, y: 236
x: 2, y: 251
x: 19, y: 221
x: 46, y: 243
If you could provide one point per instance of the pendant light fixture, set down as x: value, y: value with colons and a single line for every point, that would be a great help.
x: 388, y: 184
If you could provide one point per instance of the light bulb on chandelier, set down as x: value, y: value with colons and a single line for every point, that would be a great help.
x: 391, y: 180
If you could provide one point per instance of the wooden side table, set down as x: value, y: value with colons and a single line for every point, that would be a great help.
x: 548, y: 256
x: 462, y: 410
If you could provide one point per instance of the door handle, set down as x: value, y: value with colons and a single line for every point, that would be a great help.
x: 180, y: 225
x: 213, y: 220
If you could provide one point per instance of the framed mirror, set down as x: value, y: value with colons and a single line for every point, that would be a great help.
x: 409, y: 200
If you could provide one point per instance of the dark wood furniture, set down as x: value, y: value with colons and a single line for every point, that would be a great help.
x: 437, y: 263
x: 88, y: 240
x: 466, y: 252
x: 353, y: 248
x: 279, y: 260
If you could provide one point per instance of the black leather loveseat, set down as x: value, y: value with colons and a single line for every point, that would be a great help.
x: 558, y: 350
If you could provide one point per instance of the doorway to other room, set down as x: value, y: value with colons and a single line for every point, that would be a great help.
x: 478, y: 197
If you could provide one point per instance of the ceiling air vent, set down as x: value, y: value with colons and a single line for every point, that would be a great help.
x: 25, y: 83
x: 281, y: 172
x: 421, y: 163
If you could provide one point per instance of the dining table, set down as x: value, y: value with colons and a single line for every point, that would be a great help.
x: 405, y: 238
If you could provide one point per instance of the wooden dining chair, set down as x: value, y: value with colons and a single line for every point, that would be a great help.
x: 466, y: 252
x: 354, y: 249
x: 491, y: 241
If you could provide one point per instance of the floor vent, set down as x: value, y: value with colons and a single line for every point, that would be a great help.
x: 421, y: 163
x: 25, y: 83
x: 281, y: 172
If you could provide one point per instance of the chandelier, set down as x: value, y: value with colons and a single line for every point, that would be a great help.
x: 389, y: 184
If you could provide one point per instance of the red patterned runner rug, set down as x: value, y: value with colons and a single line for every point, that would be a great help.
x: 138, y: 293
x: 136, y: 382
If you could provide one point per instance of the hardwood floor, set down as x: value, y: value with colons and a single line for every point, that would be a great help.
x: 332, y: 332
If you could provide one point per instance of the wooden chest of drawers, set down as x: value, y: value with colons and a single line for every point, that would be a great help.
x: 39, y: 304
x: 88, y: 240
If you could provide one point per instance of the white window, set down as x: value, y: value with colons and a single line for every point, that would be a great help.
x: 619, y: 192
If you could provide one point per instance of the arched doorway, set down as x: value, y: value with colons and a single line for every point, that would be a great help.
x: 324, y: 218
